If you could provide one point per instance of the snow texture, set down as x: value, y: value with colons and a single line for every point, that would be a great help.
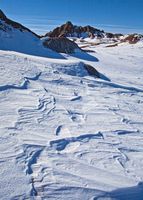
x: 66, y: 135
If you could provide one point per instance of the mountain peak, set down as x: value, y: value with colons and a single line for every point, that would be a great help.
x: 70, y: 30
x: 69, y: 23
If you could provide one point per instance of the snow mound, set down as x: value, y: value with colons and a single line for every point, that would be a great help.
x: 13, y: 75
x: 72, y: 69
x: 79, y: 69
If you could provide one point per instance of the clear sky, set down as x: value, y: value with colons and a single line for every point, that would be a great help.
x: 124, y: 16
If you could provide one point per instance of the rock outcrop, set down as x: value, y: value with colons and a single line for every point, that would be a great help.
x: 132, y: 38
x: 114, y: 35
x: 2, y: 15
x: 92, y: 71
x: 61, y: 45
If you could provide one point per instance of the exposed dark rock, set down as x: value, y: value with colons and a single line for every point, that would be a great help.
x: 92, y: 71
x: 110, y: 35
x: 112, y: 45
x: 117, y: 35
x: 88, y: 50
x: 2, y: 15
x: 132, y: 38
x: 61, y: 45
x: 114, y: 35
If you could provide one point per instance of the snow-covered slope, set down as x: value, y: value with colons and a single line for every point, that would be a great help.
x: 15, y: 37
x: 66, y: 135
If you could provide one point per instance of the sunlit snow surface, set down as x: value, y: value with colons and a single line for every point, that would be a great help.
x: 65, y: 135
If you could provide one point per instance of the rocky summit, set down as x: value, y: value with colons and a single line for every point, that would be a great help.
x: 70, y: 30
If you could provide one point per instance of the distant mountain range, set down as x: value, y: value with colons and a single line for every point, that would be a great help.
x: 70, y: 30
x: 73, y: 31
x: 16, y: 37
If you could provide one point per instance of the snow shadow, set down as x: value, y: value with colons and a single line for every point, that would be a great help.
x: 85, y: 56
x: 129, y: 193
x: 115, y: 85
x: 102, y: 76
x: 22, y: 86
x: 35, y: 51
x: 61, y: 144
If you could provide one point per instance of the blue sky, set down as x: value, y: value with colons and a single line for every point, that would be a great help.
x: 124, y: 16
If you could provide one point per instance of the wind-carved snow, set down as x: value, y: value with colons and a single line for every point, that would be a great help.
x: 66, y: 135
